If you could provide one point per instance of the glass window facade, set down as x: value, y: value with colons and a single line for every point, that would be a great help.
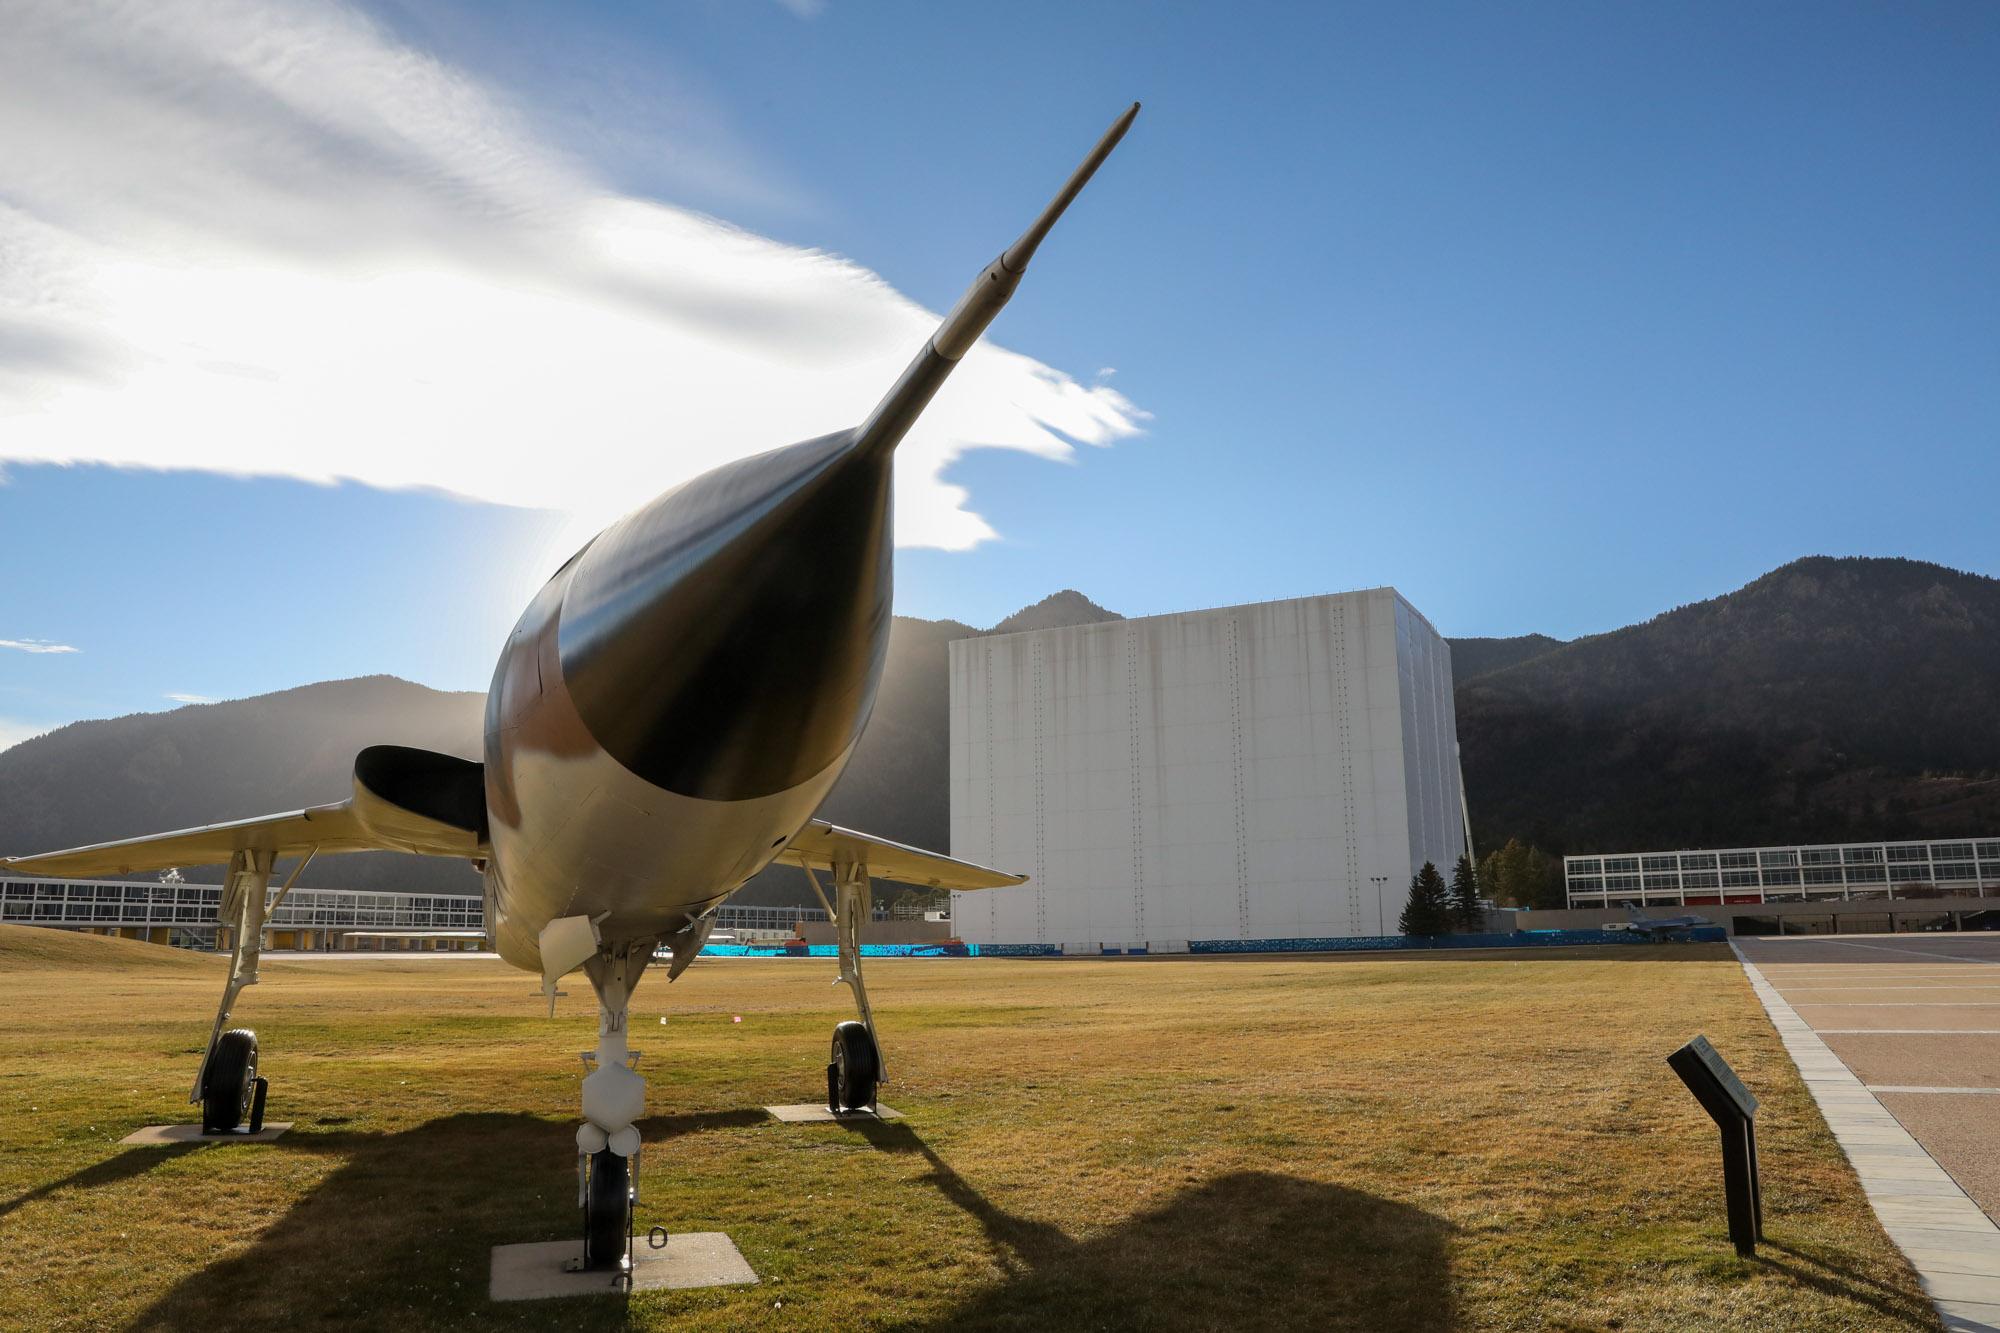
x: 1789, y: 874
x: 144, y: 905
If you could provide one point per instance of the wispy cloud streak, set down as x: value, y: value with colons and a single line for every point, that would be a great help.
x: 36, y: 646
x: 263, y: 237
x: 190, y: 698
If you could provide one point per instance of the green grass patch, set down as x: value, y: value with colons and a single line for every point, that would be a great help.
x: 1401, y: 1143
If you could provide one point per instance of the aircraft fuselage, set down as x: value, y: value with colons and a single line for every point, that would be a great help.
x: 679, y: 698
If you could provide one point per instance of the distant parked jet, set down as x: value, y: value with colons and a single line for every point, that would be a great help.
x: 1661, y: 927
x: 666, y: 717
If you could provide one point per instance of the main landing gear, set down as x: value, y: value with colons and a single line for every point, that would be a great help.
x: 854, y: 1065
x: 227, y: 1087
x: 614, y: 1097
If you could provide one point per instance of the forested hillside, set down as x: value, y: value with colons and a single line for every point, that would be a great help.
x: 1832, y: 698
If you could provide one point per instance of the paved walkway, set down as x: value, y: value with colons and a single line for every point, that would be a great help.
x: 1922, y: 1145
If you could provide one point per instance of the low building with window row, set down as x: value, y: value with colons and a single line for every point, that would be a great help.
x: 1957, y: 868
x: 185, y: 915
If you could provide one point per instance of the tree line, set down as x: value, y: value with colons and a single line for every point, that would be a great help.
x: 1437, y: 909
x: 1512, y: 876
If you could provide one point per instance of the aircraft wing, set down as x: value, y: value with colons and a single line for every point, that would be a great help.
x: 404, y: 800
x: 330, y: 828
x: 822, y: 844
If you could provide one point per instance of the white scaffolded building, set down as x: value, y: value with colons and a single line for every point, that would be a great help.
x: 1267, y: 772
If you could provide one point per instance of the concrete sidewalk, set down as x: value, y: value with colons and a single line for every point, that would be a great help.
x: 1952, y: 1243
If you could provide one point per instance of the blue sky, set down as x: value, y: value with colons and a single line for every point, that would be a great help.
x: 1551, y: 316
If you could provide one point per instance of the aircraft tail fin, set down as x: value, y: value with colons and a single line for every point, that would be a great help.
x: 990, y: 291
x: 1637, y: 916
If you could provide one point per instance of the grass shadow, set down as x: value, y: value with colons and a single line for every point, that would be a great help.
x: 1248, y: 1250
x: 132, y: 1162
x: 400, y: 1234
x: 1815, y: 1271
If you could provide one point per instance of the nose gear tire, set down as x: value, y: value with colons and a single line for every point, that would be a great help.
x: 607, y: 1210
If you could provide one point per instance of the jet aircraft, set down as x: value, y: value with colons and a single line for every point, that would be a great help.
x: 663, y: 722
x: 1660, y: 927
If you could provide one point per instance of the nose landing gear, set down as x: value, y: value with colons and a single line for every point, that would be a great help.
x: 614, y: 1097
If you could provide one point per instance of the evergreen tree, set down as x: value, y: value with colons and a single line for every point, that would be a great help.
x: 1466, y: 913
x: 1497, y: 872
x: 1544, y: 887
x: 1429, y: 909
x: 1522, y: 876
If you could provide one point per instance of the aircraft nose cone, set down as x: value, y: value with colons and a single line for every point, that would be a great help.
x: 725, y: 641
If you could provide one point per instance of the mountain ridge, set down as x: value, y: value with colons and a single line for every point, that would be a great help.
x: 1829, y: 698
x: 108, y: 778
x: 1832, y: 698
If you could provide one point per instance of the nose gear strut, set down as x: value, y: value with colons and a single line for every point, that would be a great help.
x: 614, y: 1097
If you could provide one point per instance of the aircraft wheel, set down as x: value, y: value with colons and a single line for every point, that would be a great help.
x: 607, y: 1210
x: 856, y: 1066
x: 229, y: 1084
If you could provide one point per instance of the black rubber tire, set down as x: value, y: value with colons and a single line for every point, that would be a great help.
x: 607, y: 1210
x: 857, y: 1067
x: 229, y: 1083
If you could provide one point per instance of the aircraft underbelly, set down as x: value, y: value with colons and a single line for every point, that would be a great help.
x: 595, y: 839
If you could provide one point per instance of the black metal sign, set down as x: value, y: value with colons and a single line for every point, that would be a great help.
x: 1733, y: 1108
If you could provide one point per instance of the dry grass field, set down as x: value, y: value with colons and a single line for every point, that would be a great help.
x: 1436, y: 1142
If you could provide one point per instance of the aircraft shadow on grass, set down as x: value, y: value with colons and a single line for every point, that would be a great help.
x: 401, y: 1230
x: 1248, y: 1250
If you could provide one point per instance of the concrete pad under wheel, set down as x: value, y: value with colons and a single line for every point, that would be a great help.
x: 815, y: 1113
x: 192, y: 1134
x: 535, y: 1272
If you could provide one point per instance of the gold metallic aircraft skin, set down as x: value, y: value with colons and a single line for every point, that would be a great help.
x: 727, y: 641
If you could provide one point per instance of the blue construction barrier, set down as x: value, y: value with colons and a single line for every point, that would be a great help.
x: 933, y: 950
x: 1517, y: 939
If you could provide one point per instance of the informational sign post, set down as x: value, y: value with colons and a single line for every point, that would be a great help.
x: 1734, y: 1110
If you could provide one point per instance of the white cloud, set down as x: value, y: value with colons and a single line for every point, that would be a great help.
x: 805, y: 9
x: 190, y: 698
x: 262, y: 237
x: 36, y: 646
